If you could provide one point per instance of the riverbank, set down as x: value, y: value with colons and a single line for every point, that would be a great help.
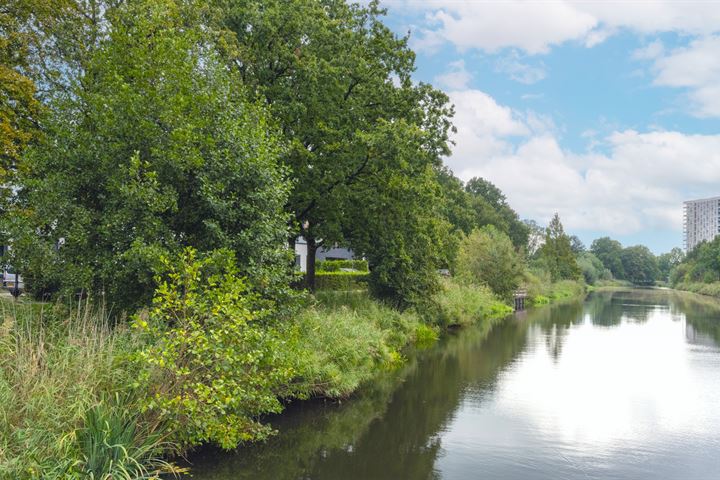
x: 71, y: 403
x: 707, y: 289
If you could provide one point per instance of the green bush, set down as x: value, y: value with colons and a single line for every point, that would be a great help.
x: 215, y: 358
x: 337, y: 265
x: 488, y: 257
x: 341, y: 280
x: 464, y: 304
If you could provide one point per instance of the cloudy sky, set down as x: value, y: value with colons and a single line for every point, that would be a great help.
x: 607, y: 112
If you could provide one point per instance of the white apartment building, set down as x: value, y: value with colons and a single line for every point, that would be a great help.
x: 701, y: 221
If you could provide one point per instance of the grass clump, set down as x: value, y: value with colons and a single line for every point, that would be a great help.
x: 463, y: 304
x: 56, y: 370
x: 348, y: 337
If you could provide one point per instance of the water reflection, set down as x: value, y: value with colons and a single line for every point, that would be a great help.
x: 624, y: 385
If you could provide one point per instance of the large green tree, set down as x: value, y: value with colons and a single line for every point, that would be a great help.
x: 640, y: 265
x: 155, y: 148
x: 492, y: 208
x: 339, y: 82
x: 609, y: 252
x: 557, y: 252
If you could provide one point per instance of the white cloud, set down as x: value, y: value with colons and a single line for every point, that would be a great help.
x: 697, y: 68
x: 650, y: 51
x: 534, y: 27
x: 457, y: 78
x: 519, y: 71
x: 638, y: 184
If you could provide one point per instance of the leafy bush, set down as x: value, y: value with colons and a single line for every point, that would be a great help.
x: 488, y: 257
x: 341, y: 280
x: 215, y: 358
x: 337, y: 265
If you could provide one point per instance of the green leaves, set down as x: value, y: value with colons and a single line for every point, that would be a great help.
x: 156, y: 148
x: 214, y: 359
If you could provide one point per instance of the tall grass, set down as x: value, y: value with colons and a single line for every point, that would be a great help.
x: 56, y: 368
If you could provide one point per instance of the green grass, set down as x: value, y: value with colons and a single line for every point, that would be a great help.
x: 55, y: 371
x: 709, y: 289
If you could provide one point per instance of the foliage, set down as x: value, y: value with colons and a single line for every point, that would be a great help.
x: 113, y: 445
x: 702, y: 264
x: 487, y: 256
x: 640, y: 265
x: 19, y: 108
x: 609, y: 252
x: 215, y: 360
x: 52, y: 373
x: 592, y: 268
x: 492, y: 208
x: 154, y: 148
x: 337, y: 265
x: 463, y: 304
x: 347, y: 337
x: 668, y: 261
x: 359, y: 129
x: 557, y: 253
x: 340, y: 280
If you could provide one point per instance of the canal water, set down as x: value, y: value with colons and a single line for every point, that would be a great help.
x: 622, y: 385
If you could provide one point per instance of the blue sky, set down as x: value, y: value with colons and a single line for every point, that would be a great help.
x: 605, y: 112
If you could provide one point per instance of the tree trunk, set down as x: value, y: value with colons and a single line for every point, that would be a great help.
x: 310, y: 273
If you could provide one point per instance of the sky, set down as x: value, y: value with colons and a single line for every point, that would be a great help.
x: 606, y: 112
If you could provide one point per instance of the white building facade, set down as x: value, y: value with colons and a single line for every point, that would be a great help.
x: 701, y: 221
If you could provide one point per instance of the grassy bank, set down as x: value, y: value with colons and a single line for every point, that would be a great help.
x: 709, y: 289
x: 71, y: 405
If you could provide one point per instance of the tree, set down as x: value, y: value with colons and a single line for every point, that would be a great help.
x: 156, y: 149
x: 640, y: 265
x: 592, y: 268
x: 668, y: 261
x: 19, y: 108
x: 492, y: 208
x: 536, y: 237
x: 487, y: 256
x: 338, y: 81
x: 576, y: 245
x: 609, y: 252
x: 557, y: 252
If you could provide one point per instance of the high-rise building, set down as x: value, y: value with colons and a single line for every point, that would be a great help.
x: 701, y: 221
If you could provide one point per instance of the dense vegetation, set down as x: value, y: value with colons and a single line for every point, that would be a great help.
x: 162, y: 156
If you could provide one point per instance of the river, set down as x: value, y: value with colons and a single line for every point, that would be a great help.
x: 622, y: 385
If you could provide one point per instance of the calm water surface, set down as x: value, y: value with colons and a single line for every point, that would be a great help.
x: 625, y: 385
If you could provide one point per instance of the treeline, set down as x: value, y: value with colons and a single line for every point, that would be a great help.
x: 699, y: 270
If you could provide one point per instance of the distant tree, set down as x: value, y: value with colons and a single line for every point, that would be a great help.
x: 576, y: 245
x: 536, y: 236
x: 557, y: 252
x: 499, y: 212
x: 487, y: 256
x: 609, y: 253
x: 668, y: 261
x: 592, y: 268
x: 640, y: 265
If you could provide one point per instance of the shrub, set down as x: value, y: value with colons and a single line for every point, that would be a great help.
x: 215, y: 358
x: 341, y: 280
x: 488, y: 257
x: 337, y: 265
